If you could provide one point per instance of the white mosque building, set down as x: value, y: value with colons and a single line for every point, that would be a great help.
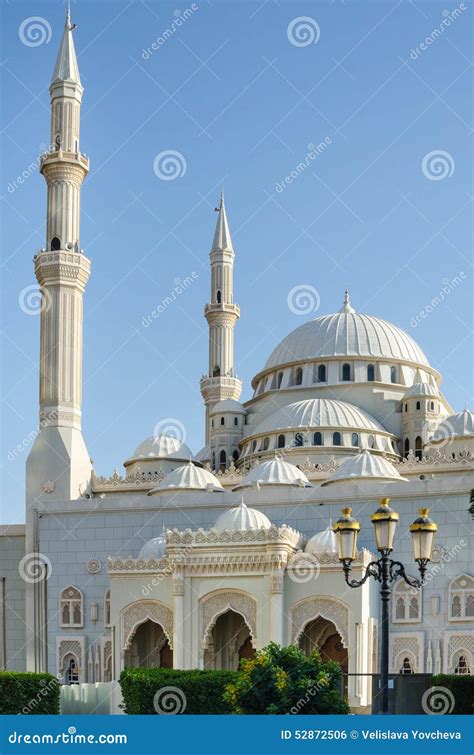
x: 196, y: 560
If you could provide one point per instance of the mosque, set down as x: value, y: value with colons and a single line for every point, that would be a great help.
x: 194, y: 560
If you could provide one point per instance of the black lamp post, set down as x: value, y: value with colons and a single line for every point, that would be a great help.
x: 385, y: 570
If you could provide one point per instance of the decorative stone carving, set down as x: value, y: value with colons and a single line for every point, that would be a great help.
x: 93, y: 566
x: 138, y: 564
x: 217, y: 603
x: 273, y: 534
x: 65, y: 647
x: 406, y: 646
x: 48, y: 486
x: 330, y: 609
x: 139, y: 479
x: 276, y: 583
x: 136, y: 613
x: 178, y: 583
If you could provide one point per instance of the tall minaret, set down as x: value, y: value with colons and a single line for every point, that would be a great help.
x: 221, y: 314
x: 58, y: 462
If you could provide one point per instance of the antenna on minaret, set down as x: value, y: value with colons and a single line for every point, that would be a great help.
x: 68, y: 14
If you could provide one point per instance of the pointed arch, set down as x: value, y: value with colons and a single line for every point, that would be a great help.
x: 309, y: 609
x: 216, y: 603
x: 138, y: 612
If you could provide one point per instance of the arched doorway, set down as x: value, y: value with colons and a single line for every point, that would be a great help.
x: 321, y: 634
x: 149, y: 647
x: 229, y: 642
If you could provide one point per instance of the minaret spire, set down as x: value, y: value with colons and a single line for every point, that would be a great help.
x: 221, y: 314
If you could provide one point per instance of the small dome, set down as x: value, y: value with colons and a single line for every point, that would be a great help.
x: 275, y: 472
x: 456, y: 426
x: 228, y: 405
x: 318, y: 412
x: 242, y: 518
x: 322, y: 542
x: 154, y: 548
x: 422, y: 389
x: 161, y: 447
x: 188, y: 477
x: 365, y: 466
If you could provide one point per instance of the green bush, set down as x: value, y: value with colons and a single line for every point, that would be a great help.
x: 27, y: 693
x: 462, y: 688
x: 283, y: 680
x: 195, y: 692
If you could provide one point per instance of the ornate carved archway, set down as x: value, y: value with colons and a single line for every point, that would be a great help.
x: 215, y: 604
x: 309, y: 609
x: 138, y: 612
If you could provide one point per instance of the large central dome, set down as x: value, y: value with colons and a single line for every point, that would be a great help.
x: 346, y: 333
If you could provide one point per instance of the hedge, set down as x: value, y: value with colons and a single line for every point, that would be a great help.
x: 462, y: 688
x: 27, y: 693
x: 147, y: 691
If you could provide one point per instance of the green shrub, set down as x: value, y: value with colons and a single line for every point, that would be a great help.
x: 27, y: 693
x: 462, y: 688
x: 198, y: 692
x: 284, y: 680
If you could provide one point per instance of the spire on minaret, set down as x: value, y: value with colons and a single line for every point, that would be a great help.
x: 346, y: 307
x: 66, y: 68
x: 222, y: 239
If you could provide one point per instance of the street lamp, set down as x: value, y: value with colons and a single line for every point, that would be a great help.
x: 385, y: 570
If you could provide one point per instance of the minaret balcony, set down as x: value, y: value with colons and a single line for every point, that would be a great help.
x: 222, y: 308
x: 60, y: 157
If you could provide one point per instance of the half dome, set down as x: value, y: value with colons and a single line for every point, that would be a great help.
x: 154, y: 548
x: 318, y: 412
x: 228, y: 405
x: 240, y: 518
x: 161, y: 447
x: 365, y: 467
x: 188, y: 477
x: 422, y: 389
x: 275, y: 472
x: 458, y: 425
x: 322, y: 542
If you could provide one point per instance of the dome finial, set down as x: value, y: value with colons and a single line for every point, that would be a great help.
x: 346, y: 307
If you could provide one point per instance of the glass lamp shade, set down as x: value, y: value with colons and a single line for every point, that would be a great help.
x: 423, y: 532
x: 385, y: 521
x: 347, y: 530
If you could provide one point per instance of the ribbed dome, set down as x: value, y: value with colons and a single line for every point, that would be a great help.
x: 318, y: 412
x: 188, y: 477
x: 346, y: 333
x: 242, y: 518
x: 154, y: 548
x: 422, y: 389
x: 228, y: 405
x: 365, y: 466
x: 457, y: 425
x: 161, y: 447
x: 322, y: 542
x: 275, y: 472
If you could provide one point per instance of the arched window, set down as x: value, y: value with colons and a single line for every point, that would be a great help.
x: 213, y: 461
x: 336, y: 439
x: 407, y: 447
x: 418, y: 406
x: 355, y: 439
x: 216, y: 371
x: 462, y: 666
x: 298, y: 376
x: 346, y: 371
x: 266, y: 444
x: 393, y: 375
x: 236, y: 421
x: 55, y: 244
x: 298, y: 439
x: 223, y: 459
x: 235, y: 455
x: 71, y: 675
x: 222, y: 421
x: 406, y: 606
x: 107, y: 608
x: 322, y: 373
x: 418, y: 447
x: 279, y: 379
x: 461, y: 598
x: 318, y: 439
x: 371, y: 373
x: 406, y: 407
x: 432, y: 406
x: 219, y: 297
x: 254, y: 446
x: 71, y: 607
x: 370, y: 441
x: 212, y: 423
x: 281, y: 441
x: 406, y: 666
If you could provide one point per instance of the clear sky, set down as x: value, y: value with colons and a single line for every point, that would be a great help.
x: 239, y: 90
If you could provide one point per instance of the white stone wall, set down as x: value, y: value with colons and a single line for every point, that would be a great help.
x: 12, y: 615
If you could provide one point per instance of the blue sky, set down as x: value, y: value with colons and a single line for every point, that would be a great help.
x: 241, y: 103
